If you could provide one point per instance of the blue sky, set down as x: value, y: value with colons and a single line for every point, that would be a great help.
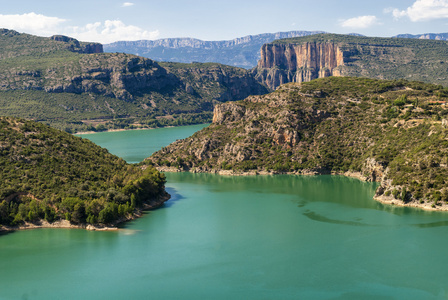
x: 109, y: 20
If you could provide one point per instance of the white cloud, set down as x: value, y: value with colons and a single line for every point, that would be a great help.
x: 360, y: 22
x: 127, y: 4
x: 32, y: 23
x: 103, y: 32
x: 424, y: 10
x: 111, y: 31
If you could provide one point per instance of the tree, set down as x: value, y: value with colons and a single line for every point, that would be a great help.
x: 79, y: 214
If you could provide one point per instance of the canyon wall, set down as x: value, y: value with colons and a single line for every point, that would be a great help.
x: 283, y: 63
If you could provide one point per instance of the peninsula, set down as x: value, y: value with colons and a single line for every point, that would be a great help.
x: 393, y: 132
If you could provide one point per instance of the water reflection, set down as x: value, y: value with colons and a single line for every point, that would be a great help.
x: 316, y: 217
x: 432, y: 225
x: 175, y: 197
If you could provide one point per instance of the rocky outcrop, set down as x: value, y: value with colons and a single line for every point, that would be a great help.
x: 305, y: 58
x: 374, y: 170
x: 283, y: 63
x: 75, y: 46
x: 120, y: 76
x: 229, y: 83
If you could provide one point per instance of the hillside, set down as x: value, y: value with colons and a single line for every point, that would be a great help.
x: 318, y: 56
x: 393, y: 132
x: 14, y: 44
x: 76, y: 90
x: 241, y: 52
x: 48, y: 175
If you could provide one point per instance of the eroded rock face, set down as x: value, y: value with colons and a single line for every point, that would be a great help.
x: 117, y: 76
x: 283, y: 63
x: 374, y: 170
x: 228, y: 113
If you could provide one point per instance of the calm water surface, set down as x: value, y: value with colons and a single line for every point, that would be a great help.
x: 265, y: 237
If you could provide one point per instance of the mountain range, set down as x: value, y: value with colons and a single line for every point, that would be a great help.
x: 75, y: 86
x: 241, y: 52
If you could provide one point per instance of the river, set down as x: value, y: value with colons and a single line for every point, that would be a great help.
x: 222, y: 237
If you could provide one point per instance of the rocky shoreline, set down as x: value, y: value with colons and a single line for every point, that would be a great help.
x: 388, y: 200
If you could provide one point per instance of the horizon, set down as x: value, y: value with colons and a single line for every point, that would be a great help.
x: 106, y: 22
x: 239, y: 37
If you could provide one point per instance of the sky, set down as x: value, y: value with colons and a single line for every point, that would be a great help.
x: 106, y: 21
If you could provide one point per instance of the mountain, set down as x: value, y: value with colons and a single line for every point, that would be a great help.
x: 75, y: 86
x: 306, y: 58
x: 48, y: 176
x: 424, y: 36
x: 241, y: 52
x: 393, y: 132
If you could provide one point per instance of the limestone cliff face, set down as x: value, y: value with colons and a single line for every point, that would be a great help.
x: 283, y: 63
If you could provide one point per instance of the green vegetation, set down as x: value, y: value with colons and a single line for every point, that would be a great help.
x: 55, y: 83
x: 392, y: 130
x: 83, y: 112
x: 48, y: 175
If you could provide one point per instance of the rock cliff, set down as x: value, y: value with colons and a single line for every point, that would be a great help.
x: 305, y: 58
x: 337, y: 125
x: 283, y: 63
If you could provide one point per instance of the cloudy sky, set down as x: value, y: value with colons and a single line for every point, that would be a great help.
x: 107, y: 21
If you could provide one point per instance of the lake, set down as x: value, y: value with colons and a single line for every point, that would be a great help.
x: 222, y: 237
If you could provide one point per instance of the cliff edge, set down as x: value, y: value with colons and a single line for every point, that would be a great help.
x: 318, y: 56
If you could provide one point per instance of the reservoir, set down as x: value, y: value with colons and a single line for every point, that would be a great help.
x: 223, y: 237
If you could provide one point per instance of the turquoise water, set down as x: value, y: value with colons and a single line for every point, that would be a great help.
x: 265, y: 237
x: 136, y: 145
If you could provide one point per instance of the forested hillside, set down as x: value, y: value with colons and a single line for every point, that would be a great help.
x: 48, y: 175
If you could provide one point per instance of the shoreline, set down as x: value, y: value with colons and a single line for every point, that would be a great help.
x: 118, y: 130
x: 57, y: 224
x: 388, y: 200
x: 351, y: 174
x: 140, y: 128
x: 61, y: 224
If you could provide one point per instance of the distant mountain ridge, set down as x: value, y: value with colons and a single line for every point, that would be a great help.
x: 241, y: 52
x: 425, y: 36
